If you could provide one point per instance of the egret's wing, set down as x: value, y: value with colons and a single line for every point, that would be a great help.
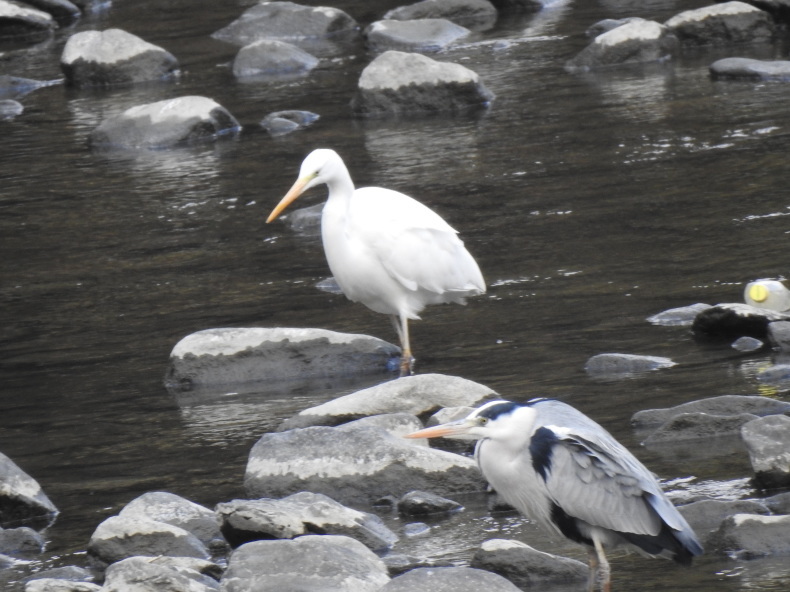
x: 413, y: 243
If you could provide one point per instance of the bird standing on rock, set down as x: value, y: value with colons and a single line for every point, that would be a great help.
x: 385, y: 249
x: 567, y: 473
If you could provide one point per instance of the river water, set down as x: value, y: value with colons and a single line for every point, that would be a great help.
x: 591, y: 201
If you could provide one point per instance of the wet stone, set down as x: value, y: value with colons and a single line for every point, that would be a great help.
x: 747, y: 344
x: 749, y: 536
x: 280, y: 123
x: 22, y: 502
x: 477, y: 15
x: 525, y: 566
x: 449, y: 579
x: 721, y: 405
x: 682, y: 316
x: 426, y: 35
x: 751, y: 69
x: 705, y: 516
x: 19, y: 21
x: 698, y: 426
x: 269, y: 57
x: 768, y: 441
x: 728, y: 23
x: 154, y: 574
x: 615, y: 365
x: 10, y: 109
x: 420, y: 503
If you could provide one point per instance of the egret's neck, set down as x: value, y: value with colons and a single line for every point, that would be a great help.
x: 340, y: 186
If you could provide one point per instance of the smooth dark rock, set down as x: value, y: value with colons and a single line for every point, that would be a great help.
x: 750, y: 69
x: 427, y: 35
x: 478, y: 15
x: 615, y: 365
x: 22, y: 502
x: 705, y: 516
x: 280, y: 123
x: 768, y: 441
x: 525, y: 566
x: 416, y: 395
x: 114, y: 57
x: 172, y: 509
x: 420, y: 503
x: 732, y: 320
x: 449, y: 579
x: 243, y: 355
x: 155, y: 574
x: 638, y: 41
x: 728, y: 23
x: 299, y: 514
x: 317, y: 562
x: 270, y: 57
x: 119, y: 538
x: 721, y: 405
x: 698, y: 426
x: 353, y: 465
x: 749, y: 536
x: 405, y: 84
x: 166, y: 124
x: 22, y: 22
x: 682, y: 316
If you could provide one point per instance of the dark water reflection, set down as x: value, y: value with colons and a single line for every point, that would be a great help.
x: 590, y: 201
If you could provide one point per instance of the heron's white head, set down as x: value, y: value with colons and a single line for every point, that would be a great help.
x: 497, y: 420
x: 321, y: 166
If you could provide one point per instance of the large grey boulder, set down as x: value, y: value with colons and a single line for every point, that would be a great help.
x: 750, y: 69
x: 269, y: 57
x: 314, y: 28
x: 316, y: 562
x: 748, y: 536
x: 19, y: 21
x: 165, y: 124
x: 398, y: 83
x: 449, y: 579
x: 638, y: 41
x: 425, y: 35
x: 728, y: 23
x: 768, y: 441
x: 299, y: 514
x: 157, y: 574
x: 478, y: 15
x: 177, y: 511
x: 119, y: 538
x: 525, y: 566
x: 706, y: 516
x: 722, y: 405
x: 114, y: 57
x: 22, y: 500
x: 353, y: 465
x: 239, y: 355
x: 416, y: 395
x: 616, y: 365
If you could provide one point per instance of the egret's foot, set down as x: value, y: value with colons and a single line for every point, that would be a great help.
x: 406, y: 366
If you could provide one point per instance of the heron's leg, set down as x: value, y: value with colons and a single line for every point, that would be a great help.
x: 604, y: 571
x: 406, y: 361
x: 592, y: 580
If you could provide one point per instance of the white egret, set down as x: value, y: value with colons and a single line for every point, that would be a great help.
x: 385, y: 249
x: 564, y: 471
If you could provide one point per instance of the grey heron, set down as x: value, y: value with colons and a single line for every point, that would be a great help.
x: 568, y: 474
x: 385, y: 249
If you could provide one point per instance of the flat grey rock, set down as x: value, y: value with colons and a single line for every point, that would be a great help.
x: 426, y: 35
x: 525, y: 566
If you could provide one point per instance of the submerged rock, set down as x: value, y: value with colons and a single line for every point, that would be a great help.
x: 398, y: 83
x: 165, y: 124
x: 698, y: 426
x: 721, y: 405
x: 19, y: 21
x: 318, y: 562
x: 416, y: 395
x: 750, y: 69
x: 353, y: 465
x: 638, y: 41
x: 414, y: 35
x: 478, y: 15
x: 240, y: 355
x: 420, y: 503
x: 682, y: 316
x: 449, y: 579
x: 299, y: 514
x: 705, y: 516
x: 620, y: 365
x: 14, y: 87
x: 114, y: 57
x: 525, y: 566
x: 768, y: 441
x: 21, y: 499
x: 10, y: 109
x: 748, y: 536
x: 269, y: 57
x: 64, y: 12
x: 20, y: 542
x: 728, y: 23
x: 280, y: 123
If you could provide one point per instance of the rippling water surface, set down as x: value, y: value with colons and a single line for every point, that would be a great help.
x: 591, y: 202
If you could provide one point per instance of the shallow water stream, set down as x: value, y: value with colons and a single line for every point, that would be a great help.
x: 591, y: 201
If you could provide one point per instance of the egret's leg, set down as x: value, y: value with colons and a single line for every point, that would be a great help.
x: 402, y: 327
x: 604, y: 571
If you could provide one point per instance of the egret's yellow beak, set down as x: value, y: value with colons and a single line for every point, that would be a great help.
x: 295, y: 191
x: 454, y: 429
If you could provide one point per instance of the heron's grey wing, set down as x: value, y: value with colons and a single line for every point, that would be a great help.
x: 601, y: 483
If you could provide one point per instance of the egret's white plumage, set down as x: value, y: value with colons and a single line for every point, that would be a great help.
x: 568, y: 474
x: 385, y: 249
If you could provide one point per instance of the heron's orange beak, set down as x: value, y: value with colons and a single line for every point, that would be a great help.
x: 294, y: 192
x: 453, y: 429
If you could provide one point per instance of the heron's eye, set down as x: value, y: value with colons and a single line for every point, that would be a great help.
x: 482, y: 421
